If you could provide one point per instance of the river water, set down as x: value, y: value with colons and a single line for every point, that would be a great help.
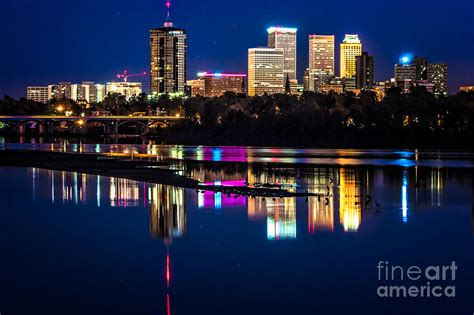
x: 81, y: 244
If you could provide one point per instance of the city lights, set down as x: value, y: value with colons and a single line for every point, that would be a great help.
x: 281, y: 29
x: 406, y: 59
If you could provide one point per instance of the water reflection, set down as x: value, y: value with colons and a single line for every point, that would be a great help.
x: 321, y: 211
x: 350, y: 200
x: 281, y: 219
x: 405, y: 196
x: 345, y: 196
x: 167, y: 212
x: 181, y: 229
x: 346, y: 157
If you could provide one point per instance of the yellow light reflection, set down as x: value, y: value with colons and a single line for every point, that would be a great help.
x: 350, y: 209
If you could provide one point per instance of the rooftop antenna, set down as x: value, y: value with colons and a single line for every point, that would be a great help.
x: 168, y: 7
x: 168, y: 22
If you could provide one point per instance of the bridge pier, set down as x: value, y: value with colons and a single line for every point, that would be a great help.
x: 21, y: 129
x: 50, y: 128
x: 41, y: 129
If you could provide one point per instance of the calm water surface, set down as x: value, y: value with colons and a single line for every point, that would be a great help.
x: 81, y: 244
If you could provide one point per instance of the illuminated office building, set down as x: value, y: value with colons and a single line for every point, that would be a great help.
x: 196, y: 87
x: 38, y: 94
x: 321, y: 55
x: 84, y: 92
x: 127, y: 89
x: 405, y: 73
x: 217, y: 84
x: 364, y: 71
x: 285, y: 38
x: 101, y: 92
x: 351, y: 47
x: 61, y: 90
x: 437, y: 74
x: 265, y: 71
x: 335, y: 85
x: 418, y: 72
x: 168, y: 49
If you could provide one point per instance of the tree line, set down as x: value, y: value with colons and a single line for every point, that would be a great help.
x: 416, y: 119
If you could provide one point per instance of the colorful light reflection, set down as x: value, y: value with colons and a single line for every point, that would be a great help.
x: 405, y: 197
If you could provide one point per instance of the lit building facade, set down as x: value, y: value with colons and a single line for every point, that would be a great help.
x: 101, y: 92
x: 332, y: 88
x: 438, y: 75
x: 196, y: 87
x: 285, y: 38
x: 217, y: 84
x: 265, y: 71
x: 62, y: 90
x: 466, y: 88
x: 321, y: 55
x: 405, y: 75
x: 84, y: 92
x: 168, y: 57
x: 364, y: 71
x: 37, y: 93
x: 351, y: 47
x: 127, y: 89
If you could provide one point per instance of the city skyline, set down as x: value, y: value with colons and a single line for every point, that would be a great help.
x: 217, y: 52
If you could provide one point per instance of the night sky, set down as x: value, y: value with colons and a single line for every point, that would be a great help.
x: 55, y: 40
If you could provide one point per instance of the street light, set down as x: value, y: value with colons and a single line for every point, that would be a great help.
x: 60, y: 108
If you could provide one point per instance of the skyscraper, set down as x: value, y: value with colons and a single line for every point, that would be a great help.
x: 351, y: 47
x: 285, y: 38
x: 364, y: 71
x: 437, y: 74
x: 265, y: 71
x: 168, y: 49
x: 321, y: 55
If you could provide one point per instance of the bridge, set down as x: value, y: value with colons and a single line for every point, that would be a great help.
x: 48, y: 123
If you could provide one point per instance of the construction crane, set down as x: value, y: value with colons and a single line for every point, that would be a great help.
x: 125, y: 75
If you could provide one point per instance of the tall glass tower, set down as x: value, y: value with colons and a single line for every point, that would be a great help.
x: 168, y: 49
x: 351, y: 47
x: 285, y: 38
